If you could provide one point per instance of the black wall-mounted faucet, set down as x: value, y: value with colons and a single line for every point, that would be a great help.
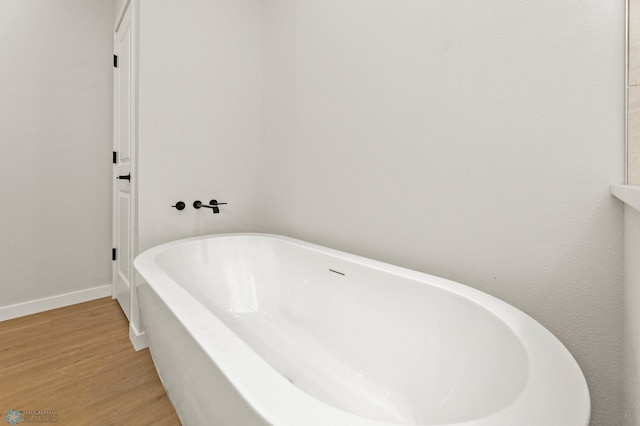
x: 213, y: 205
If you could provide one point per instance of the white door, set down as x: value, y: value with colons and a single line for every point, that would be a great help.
x: 123, y: 147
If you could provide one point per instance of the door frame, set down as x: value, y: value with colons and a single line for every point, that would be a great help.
x: 131, y: 7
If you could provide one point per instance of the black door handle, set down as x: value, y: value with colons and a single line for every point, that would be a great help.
x: 127, y: 177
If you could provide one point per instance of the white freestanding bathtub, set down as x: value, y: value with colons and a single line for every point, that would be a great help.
x: 254, y: 329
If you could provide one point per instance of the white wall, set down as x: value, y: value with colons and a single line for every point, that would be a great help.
x: 632, y: 316
x: 55, y: 134
x: 200, y: 117
x: 472, y: 140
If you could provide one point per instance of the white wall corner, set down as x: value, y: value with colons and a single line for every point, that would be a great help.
x: 138, y: 338
x: 53, y: 302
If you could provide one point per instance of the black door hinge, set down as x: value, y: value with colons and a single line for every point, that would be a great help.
x: 115, y: 157
x: 114, y: 254
x: 115, y: 61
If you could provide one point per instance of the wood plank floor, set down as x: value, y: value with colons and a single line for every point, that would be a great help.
x: 79, y: 362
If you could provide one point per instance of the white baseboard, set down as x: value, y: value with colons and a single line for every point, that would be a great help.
x: 138, y: 338
x: 53, y: 302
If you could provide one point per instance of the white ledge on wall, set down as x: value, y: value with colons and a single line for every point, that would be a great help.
x: 628, y: 194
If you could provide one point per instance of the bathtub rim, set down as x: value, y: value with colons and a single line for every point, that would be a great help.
x: 274, y: 398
